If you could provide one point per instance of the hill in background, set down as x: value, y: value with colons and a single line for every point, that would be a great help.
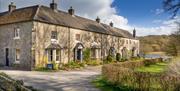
x: 153, y: 43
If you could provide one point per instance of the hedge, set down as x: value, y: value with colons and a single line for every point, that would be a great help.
x: 122, y: 74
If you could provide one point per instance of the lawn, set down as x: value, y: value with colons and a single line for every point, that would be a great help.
x: 103, y: 85
x: 155, y: 68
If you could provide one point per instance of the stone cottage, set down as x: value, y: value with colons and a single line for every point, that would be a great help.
x: 30, y: 36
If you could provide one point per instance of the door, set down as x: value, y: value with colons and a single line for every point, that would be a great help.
x: 79, y: 55
x: 7, y: 57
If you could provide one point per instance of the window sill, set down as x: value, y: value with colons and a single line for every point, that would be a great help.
x: 17, y: 62
x: 57, y: 62
x: 15, y: 38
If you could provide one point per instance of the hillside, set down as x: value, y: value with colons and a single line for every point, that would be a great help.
x: 153, y: 43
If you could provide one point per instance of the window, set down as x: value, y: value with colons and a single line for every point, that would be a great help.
x: 93, y: 53
x: 53, y: 55
x: 17, y: 54
x: 126, y: 41
x: 78, y: 37
x: 16, y: 33
x: 95, y: 38
x: 54, y: 35
x: 50, y: 55
x: 57, y: 55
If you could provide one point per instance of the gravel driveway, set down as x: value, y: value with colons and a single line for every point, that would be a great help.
x: 58, y: 81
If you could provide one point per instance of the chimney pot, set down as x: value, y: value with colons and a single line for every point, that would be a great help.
x: 134, y: 33
x: 71, y: 11
x: 53, y: 5
x: 12, y: 7
x: 98, y: 20
x: 111, y: 24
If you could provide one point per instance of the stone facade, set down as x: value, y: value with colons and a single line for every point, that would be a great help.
x: 35, y: 36
x: 8, y: 43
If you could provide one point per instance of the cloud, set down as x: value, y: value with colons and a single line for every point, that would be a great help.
x: 102, y: 8
x: 159, y: 11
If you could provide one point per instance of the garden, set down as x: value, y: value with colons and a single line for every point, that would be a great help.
x: 141, y: 75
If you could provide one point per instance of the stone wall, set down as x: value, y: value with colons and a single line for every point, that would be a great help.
x: 24, y: 44
x: 35, y: 37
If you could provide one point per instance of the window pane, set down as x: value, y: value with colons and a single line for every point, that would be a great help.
x: 57, y: 55
x: 54, y: 35
x: 17, y: 54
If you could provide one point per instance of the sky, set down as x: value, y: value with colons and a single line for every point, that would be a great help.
x: 146, y: 16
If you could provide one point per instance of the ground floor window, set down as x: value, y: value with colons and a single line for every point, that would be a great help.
x: 57, y: 55
x: 17, y: 54
x: 53, y: 55
x: 95, y: 53
x: 54, y: 52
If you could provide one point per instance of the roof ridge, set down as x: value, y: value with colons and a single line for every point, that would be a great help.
x: 36, y: 12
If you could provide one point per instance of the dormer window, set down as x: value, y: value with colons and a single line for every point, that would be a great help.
x: 54, y: 35
x: 16, y: 33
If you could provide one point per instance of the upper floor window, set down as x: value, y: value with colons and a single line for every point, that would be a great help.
x: 78, y: 37
x: 54, y: 35
x: 17, y: 33
x: 127, y: 41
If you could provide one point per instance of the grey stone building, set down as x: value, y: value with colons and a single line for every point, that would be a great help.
x: 35, y: 35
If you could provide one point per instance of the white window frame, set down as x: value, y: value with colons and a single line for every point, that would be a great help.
x: 17, y: 61
x: 17, y: 33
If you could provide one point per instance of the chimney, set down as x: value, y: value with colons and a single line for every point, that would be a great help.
x: 12, y: 7
x: 134, y: 33
x: 98, y: 20
x: 111, y: 24
x: 71, y: 11
x: 53, y: 5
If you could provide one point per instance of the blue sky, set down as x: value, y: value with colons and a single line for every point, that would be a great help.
x: 141, y: 12
x: 146, y: 16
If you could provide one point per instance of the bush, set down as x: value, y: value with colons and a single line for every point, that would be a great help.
x: 94, y: 62
x: 118, y: 57
x: 109, y: 59
x: 87, y: 54
x: 73, y: 65
x: 55, y: 65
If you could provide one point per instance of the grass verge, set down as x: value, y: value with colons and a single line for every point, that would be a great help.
x: 155, y: 68
x: 103, y: 85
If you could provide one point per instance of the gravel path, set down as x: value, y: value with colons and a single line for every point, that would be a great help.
x: 58, y: 81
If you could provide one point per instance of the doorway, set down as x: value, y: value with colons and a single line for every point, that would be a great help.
x: 79, y: 54
x: 7, y: 56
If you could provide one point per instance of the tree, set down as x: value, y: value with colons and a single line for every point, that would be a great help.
x: 172, y: 6
x: 173, y: 47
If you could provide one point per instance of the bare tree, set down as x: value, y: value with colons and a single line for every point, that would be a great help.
x: 172, y: 6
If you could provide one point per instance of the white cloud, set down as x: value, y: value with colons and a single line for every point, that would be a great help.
x: 102, y: 8
x: 159, y: 11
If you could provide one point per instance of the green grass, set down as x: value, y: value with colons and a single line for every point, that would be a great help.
x: 103, y: 85
x: 156, y: 68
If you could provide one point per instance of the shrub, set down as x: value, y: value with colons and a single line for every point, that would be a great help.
x: 72, y: 65
x: 118, y: 57
x: 86, y: 54
x: 55, y: 65
x: 109, y: 59
x: 94, y: 62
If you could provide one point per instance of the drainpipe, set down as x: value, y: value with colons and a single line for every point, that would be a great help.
x: 69, y: 41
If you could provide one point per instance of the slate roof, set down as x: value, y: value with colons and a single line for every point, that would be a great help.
x: 47, y: 15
